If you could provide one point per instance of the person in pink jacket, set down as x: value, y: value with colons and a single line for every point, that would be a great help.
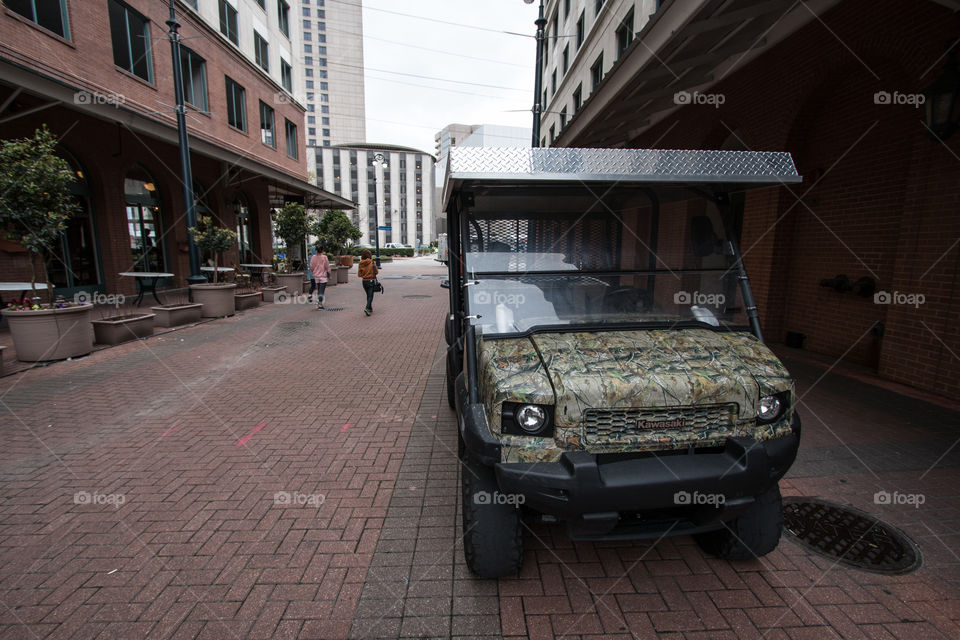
x: 320, y: 268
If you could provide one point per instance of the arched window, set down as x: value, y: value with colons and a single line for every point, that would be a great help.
x: 73, y: 260
x: 144, y: 223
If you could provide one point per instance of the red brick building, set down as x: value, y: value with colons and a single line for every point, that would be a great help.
x: 99, y: 74
x: 840, y: 85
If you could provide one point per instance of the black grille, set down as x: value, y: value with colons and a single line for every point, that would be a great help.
x: 616, y: 424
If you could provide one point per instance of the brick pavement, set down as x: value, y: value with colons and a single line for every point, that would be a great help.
x: 216, y: 540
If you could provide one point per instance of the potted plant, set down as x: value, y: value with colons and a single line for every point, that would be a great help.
x: 35, y: 203
x: 291, y: 225
x: 216, y: 297
x: 121, y: 328
x: 335, y: 230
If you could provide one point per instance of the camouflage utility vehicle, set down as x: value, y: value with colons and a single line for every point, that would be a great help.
x: 605, y: 355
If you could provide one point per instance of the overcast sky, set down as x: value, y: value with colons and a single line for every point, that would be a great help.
x: 408, y: 110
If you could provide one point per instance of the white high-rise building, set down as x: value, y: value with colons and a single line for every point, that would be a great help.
x: 407, y: 183
x: 331, y: 58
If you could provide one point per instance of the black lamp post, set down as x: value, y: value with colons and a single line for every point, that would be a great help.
x: 195, y: 276
x: 541, y: 22
x: 942, y: 103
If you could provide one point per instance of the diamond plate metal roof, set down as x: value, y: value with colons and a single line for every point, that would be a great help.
x: 517, y: 164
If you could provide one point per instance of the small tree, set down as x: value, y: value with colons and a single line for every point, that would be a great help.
x: 334, y: 230
x: 35, y: 198
x: 291, y: 224
x: 210, y: 238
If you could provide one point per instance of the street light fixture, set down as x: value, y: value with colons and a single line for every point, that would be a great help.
x: 541, y: 22
x: 379, y: 164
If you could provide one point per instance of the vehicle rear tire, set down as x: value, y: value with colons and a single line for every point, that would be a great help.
x: 754, y: 534
x: 451, y: 397
x: 492, y: 533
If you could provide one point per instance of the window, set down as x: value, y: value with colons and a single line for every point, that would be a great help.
x: 306, y: 23
x: 49, y: 14
x: 308, y: 48
x: 291, y: 139
x: 326, y: 132
x: 554, y: 28
x: 553, y: 133
x: 308, y: 60
x: 553, y: 82
x: 324, y: 86
x: 267, y: 126
x: 263, y: 4
x: 286, y: 75
x: 309, y: 73
x: 236, y: 105
x: 625, y: 34
x: 566, y: 59
x: 321, y: 37
x: 596, y: 72
x: 305, y: 11
x: 580, y: 31
x: 563, y: 118
x: 130, y: 33
x: 309, y: 82
x: 228, y: 22
x: 194, y: 71
x: 193, y: 3
x: 566, y: 8
x: 311, y: 131
x: 307, y: 36
x: 283, y: 17
x: 577, y: 98
x: 261, y: 52
x: 311, y: 119
x: 597, y: 6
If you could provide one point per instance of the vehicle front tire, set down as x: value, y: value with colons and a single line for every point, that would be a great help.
x: 492, y: 532
x: 754, y: 534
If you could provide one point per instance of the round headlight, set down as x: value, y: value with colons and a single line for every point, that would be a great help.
x: 531, y: 418
x: 770, y: 408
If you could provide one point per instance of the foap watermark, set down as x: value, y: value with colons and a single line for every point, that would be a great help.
x: 85, y: 497
x: 915, y: 100
x: 685, y: 498
x: 95, y: 297
x: 716, y: 300
x: 898, y: 297
x: 282, y: 97
x: 911, y: 499
x: 485, y: 497
x: 86, y: 97
x: 683, y: 98
x: 284, y: 297
x: 497, y: 297
x: 297, y: 499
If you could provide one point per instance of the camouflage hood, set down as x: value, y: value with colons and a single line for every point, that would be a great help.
x: 660, y: 368
x: 685, y: 386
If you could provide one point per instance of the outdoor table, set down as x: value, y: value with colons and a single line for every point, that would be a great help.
x: 209, y: 270
x: 22, y: 287
x: 146, y: 281
x: 257, y: 271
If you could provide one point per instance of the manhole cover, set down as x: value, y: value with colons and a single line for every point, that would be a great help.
x: 849, y: 536
x: 416, y: 297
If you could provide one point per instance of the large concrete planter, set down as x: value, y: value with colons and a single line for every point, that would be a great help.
x: 174, y: 316
x: 346, y: 261
x: 292, y: 282
x: 123, y: 328
x: 243, y: 301
x: 270, y: 293
x: 51, y: 334
x: 217, y: 299
x: 342, y: 273
x: 332, y: 280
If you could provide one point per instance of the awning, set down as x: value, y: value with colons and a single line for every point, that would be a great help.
x: 56, y: 92
x: 686, y: 46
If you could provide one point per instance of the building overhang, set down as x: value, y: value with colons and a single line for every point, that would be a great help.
x: 51, y: 92
x: 686, y: 46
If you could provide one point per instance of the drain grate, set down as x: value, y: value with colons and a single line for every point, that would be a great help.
x: 416, y: 297
x: 333, y: 309
x: 849, y: 536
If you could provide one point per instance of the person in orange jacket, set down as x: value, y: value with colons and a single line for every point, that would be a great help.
x: 367, y: 271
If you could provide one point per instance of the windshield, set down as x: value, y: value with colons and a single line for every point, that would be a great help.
x: 588, y: 256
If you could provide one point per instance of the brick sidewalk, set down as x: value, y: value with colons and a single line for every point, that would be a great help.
x: 290, y: 473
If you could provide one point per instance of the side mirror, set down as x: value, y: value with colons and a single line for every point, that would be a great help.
x: 445, y: 284
x: 705, y: 240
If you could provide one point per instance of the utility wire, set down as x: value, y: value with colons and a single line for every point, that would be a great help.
x: 415, y: 75
x: 437, y: 20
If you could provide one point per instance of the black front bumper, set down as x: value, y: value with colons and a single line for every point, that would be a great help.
x: 636, y: 495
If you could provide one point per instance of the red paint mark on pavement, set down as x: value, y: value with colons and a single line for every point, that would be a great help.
x: 344, y: 427
x: 242, y: 441
x: 169, y: 431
